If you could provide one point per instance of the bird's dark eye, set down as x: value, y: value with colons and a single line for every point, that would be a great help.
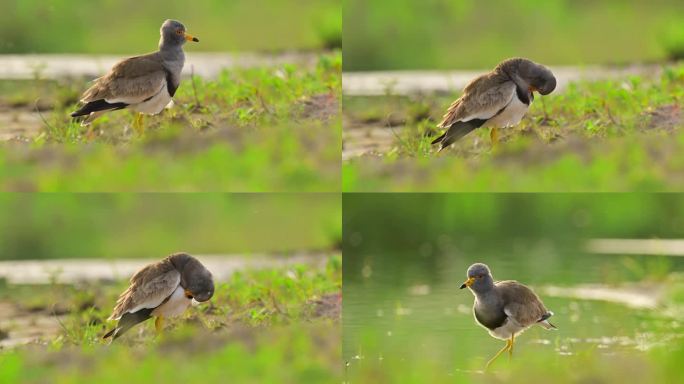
x: 179, y: 32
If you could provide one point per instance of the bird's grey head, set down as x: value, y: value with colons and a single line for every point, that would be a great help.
x: 479, y: 278
x: 173, y: 34
x: 195, y: 278
x: 530, y: 75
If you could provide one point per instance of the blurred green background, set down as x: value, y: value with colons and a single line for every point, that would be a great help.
x: 279, y: 322
x: 41, y: 226
x: 456, y: 34
x: 406, y: 255
x: 131, y: 26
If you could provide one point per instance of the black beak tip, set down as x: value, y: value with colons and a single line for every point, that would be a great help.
x: 463, y: 286
x: 196, y: 40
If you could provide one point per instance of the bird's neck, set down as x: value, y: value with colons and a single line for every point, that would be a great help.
x: 172, y: 56
x: 485, y: 301
x: 484, y: 294
x: 167, y: 48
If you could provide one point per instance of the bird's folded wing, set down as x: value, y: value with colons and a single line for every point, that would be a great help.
x: 130, y: 81
x: 483, y: 98
x: 149, y: 288
x: 522, y: 304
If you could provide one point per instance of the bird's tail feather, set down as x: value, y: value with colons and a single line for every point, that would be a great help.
x: 97, y: 105
x: 110, y: 333
x: 544, y: 322
x: 456, y: 131
x: 437, y: 140
x: 127, y: 321
x: 547, y: 325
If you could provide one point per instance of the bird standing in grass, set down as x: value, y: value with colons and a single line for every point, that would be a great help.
x: 496, y: 99
x: 144, y: 84
x: 162, y: 289
x: 505, y: 308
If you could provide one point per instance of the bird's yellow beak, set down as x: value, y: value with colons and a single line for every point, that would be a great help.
x: 188, y: 294
x: 190, y: 37
x: 468, y: 282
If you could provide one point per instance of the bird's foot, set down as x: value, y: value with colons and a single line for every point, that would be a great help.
x: 138, y: 124
x: 159, y: 324
x: 509, y: 345
x: 494, y: 137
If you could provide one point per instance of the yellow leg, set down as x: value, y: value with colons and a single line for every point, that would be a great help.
x: 159, y: 324
x: 504, y: 349
x: 494, y: 136
x: 510, y: 349
x: 138, y: 124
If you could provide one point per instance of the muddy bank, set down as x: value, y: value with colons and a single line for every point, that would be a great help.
x: 368, y: 140
x: 19, y: 124
x: 19, y: 326
x: 637, y: 296
x: 48, y: 301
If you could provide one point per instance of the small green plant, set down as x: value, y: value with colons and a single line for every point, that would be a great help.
x: 268, y: 318
x: 610, y: 135
x: 257, y: 129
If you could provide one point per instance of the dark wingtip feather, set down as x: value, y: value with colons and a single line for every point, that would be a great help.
x: 437, y: 140
x: 457, y: 130
x: 110, y: 333
x: 97, y: 105
x: 127, y: 321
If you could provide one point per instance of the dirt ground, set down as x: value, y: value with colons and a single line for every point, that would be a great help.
x: 41, y: 296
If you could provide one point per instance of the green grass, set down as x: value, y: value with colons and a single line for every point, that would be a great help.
x: 260, y: 326
x: 260, y: 129
x: 448, y: 34
x: 614, y: 135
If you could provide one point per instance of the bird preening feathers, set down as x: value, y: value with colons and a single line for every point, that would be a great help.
x: 162, y: 289
x: 496, y: 99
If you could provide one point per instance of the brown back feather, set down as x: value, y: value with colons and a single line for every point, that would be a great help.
x: 139, y: 75
x: 154, y: 282
x: 487, y: 91
x: 521, y: 303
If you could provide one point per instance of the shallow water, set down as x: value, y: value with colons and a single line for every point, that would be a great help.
x: 402, y: 307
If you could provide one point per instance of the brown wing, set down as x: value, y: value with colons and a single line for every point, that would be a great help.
x: 149, y: 287
x: 130, y: 81
x: 482, y: 98
x: 521, y: 303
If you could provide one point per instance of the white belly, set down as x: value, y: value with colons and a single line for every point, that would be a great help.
x: 508, y: 328
x: 175, y: 305
x: 510, y: 116
x: 154, y: 105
